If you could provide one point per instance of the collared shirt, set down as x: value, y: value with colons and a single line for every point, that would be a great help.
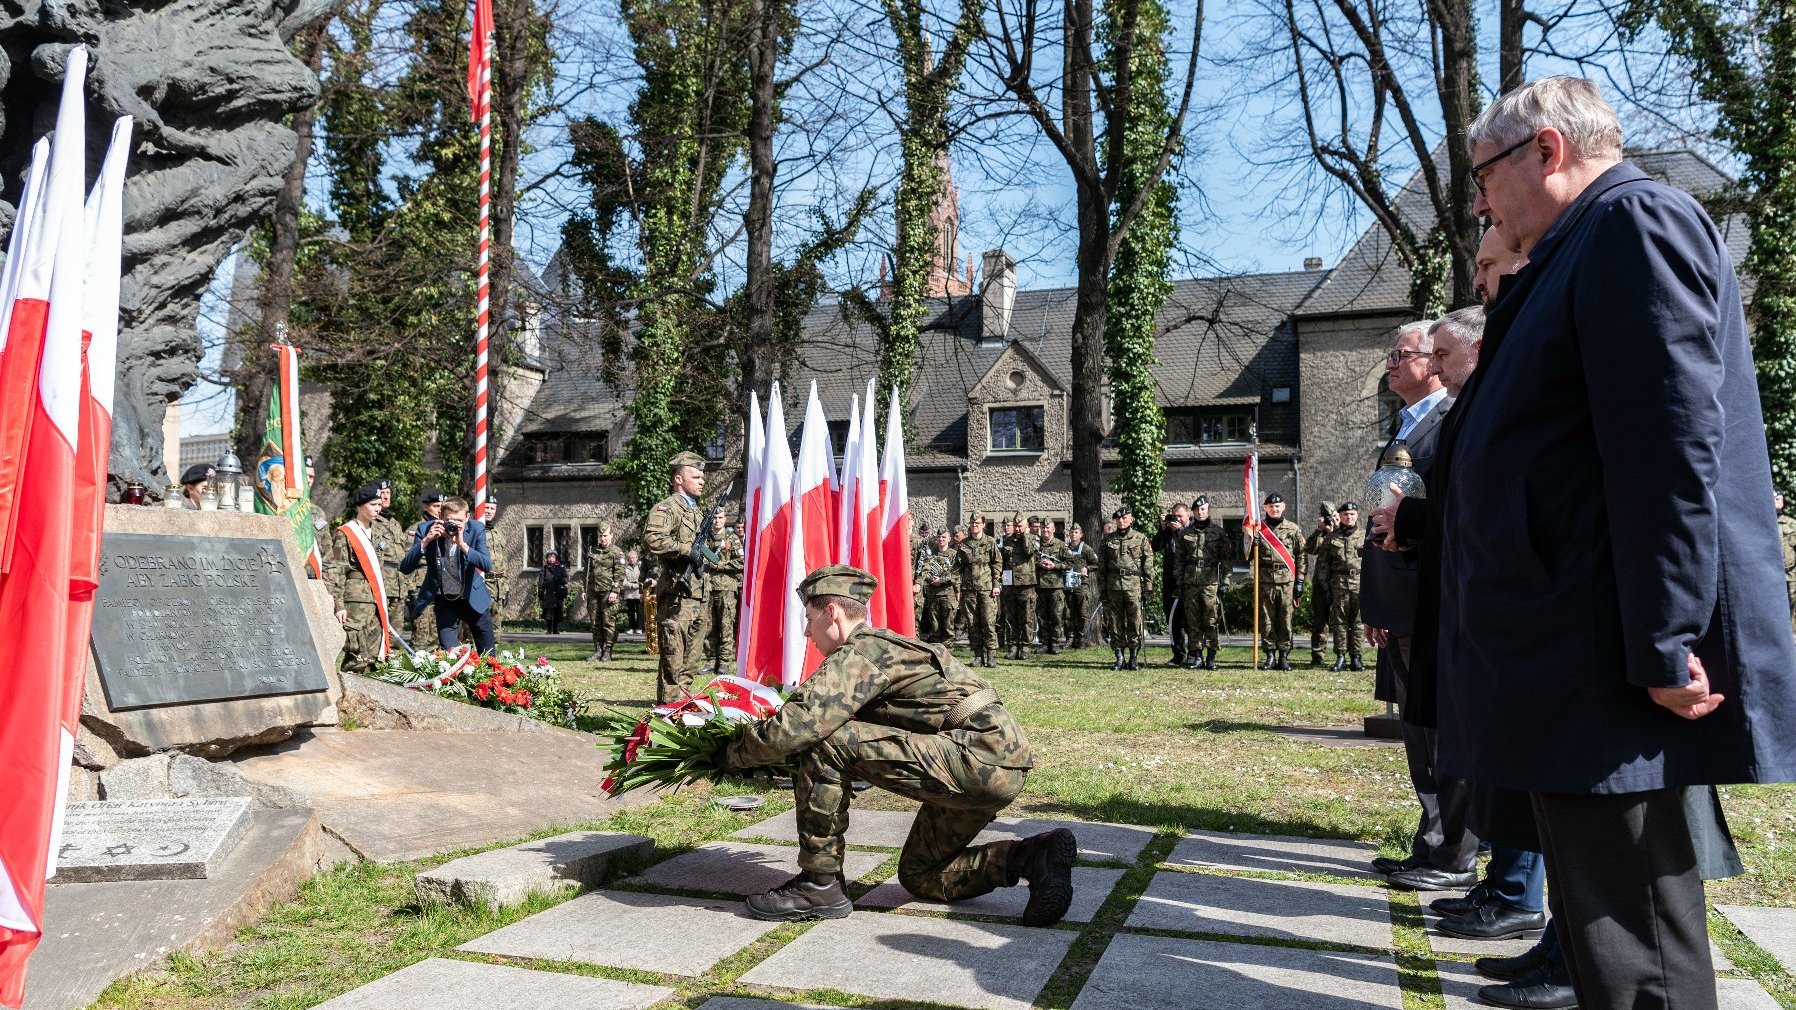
x: 1413, y: 414
x: 690, y: 501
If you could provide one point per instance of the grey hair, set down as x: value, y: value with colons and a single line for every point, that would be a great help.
x: 1424, y: 334
x: 1464, y: 326
x: 1572, y: 105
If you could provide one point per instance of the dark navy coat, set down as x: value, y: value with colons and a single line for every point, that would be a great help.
x: 1607, y: 510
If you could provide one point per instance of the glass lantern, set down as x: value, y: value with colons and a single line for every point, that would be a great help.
x: 227, y: 480
x: 1396, y: 468
x: 172, y: 497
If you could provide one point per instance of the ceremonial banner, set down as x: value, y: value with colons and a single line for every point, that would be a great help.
x: 1251, y: 520
x: 281, y: 488
x: 894, y: 494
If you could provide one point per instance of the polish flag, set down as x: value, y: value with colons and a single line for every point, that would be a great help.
x: 754, y: 460
x: 851, y: 458
x: 862, y: 502
x: 897, y: 581
x: 1252, y: 524
x: 22, y: 336
x: 813, y: 539
x: 774, y: 641
x: 34, y: 598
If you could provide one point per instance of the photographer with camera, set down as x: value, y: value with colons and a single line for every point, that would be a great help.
x: 454, y: 552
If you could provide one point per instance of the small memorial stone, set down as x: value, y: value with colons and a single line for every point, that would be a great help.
x: 149, y: 839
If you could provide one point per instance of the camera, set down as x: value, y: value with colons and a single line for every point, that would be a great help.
x: 451, y: 527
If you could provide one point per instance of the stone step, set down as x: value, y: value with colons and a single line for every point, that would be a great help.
x: 575, y: 861
x: 444, y: 984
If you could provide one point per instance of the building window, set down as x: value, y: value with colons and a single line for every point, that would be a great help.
x: 589, y: 542
x: 838, y: 437
x: 591, y: 447
x: 1018, y: 428
x: 564, y: 544
x: 1207, y: 427
x: 533, y: 547
x: 562, y: 447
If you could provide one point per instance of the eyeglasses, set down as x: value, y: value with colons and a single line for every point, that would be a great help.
x: 1396, y: 358
x: 1479, y: 169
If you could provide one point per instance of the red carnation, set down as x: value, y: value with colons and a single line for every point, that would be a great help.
x: 524, y: 698
x: 481, y: 692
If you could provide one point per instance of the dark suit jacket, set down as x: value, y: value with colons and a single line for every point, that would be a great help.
x: 1389, y: 582
x: 474, y: 563
x: 1606, y: 504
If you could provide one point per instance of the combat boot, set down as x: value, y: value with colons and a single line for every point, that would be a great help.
x: 1135, y: 658
x: 1340, y: 662
x: 1119, y: 660
x: 1046, y: 862
x: 800, y: 898
x: 1196, y: 662
x: 1317, y: 659
x: 598, y: 656
x: 1271, y: 660
x: 1053, y: 649
x: 1284, y: 659
x: 1078, y: 642
x: 1178, y: 659
x: 1355, y: 662
x: 1210, y: 658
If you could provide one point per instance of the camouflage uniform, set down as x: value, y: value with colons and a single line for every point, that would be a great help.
x: 1203, y: 557
x: 723, y: 594
x: 1341, y: 562
x: 391, y: 543
x: 668, y: 534
x: 498, y: 578
x: 1786, y: 530
x: 980, y: 563
x: 911, y: 719
x: 1020, y: 550
x: 1276, y: 586
x: 1321, y: 600
x: 940, y: 581
x: 604, y: 575
x: 1080, y: 558
x: 352, y: 592
x: 1050, y: 592
x: 1124, y: 569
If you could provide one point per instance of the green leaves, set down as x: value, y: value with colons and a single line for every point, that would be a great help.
x: 653, y: 751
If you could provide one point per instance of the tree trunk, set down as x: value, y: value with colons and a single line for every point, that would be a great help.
x: 1511, y: 16
x: 254, y: 376
x: 1085, y: 407
x: 757, y: 358
x: 1459, y: 106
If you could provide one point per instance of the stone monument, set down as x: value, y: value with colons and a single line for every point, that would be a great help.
x: 210, y: 84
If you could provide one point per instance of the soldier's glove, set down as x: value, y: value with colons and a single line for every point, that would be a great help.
x: 1299, y: 590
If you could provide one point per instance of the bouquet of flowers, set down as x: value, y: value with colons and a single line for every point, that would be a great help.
x: 507, y: 681
x: 682, y: 743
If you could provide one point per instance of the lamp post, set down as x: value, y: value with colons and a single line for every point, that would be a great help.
x: 227, y: 480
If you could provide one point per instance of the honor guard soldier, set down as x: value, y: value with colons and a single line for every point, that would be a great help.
x: 1020, y: 551
x: 672, y: 534
x: 498, y: 579
x: 1203, y: 559
x: 1124, y: 569
x: 355, y: 578
x: 1341, y: 554
x: 980, y: 566
x: 1050, y: 587
x: 723, y: 595
x: 1278, y: 584
x: 1321, y: 601
x: 390, y: 543
x: 938, y: 575
x: 960, y: 605
x: 1081, y: 558
x: 1005, y: 592
x: 604, y: 578
x: 909, y: 717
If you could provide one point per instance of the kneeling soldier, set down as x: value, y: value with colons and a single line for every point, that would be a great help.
x: 910, y: 718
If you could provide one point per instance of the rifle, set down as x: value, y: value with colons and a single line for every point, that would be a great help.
x: 701, y: 558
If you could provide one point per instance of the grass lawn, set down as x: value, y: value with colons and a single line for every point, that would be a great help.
x: 1164, y: 747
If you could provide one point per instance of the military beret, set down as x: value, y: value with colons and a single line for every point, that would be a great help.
x: 1348, y: 506
x: 1035, y: 520
x: 1327, y: 508
x: 1122, y: 510
x: 1200, y: 501
x: 384, y: 484
x: 432, y: 496
x: 959, y: 528
x: 941, y: 532
x: 838, y: 580
x: 691, y: 459
x: 365, y: 494
x: 1274, y: 499
x: 197, y: 472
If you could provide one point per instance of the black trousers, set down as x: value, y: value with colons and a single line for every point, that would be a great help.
x: 1627, y: 894
x: 451, y: 614
x: 1442, y: 837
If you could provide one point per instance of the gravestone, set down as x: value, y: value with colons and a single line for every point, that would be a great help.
x: 149, y: 839
x: 208, y: 634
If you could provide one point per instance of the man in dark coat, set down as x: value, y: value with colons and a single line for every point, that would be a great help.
x: 1604, y: 476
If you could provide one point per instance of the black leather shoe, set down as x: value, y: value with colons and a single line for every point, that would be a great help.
x: 1178, y: 659
x: 1355, y: 663
x: 1509, y: 969
x: 1494, y: 920
x: 1196, y: 662
x: 1046, y: 862
x: 1387, y: 866
x: 1134, y: 659
x: 1546, y: 989
x: 1432, y: 878
x: 801, y: 898
x: 1453, y: 908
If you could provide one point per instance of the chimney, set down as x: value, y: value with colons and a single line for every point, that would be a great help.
x: 1312, y: 262
x: 997, y: 294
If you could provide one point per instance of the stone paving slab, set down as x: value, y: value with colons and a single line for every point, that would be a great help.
x: 573, y: 861
x: 1460, y: 984
x: 888, y: 829
x: 443, y: 984
x: 739, y: 1003
x: 1091, y: 885
x: 1774, y: 929
x: 1222, y: 850
x: 622, y: 929
x: 909, y: 957
x: 742, y: 868
x: 1163, y: 973
x: 885, y: 829
x: 1282, y: 909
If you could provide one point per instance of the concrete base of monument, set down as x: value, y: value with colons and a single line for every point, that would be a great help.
x: 1385, y: 726
x: 101, y: 932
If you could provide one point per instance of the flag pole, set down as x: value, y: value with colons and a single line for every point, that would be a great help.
x: 482, y: 318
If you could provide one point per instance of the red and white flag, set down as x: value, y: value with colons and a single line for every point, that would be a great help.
x: 774, y: 634
x: 898, y: 582
x: 35, y: 593
x: 851, y: 458
x: 27, y: 292
x: 813, y: 532
x: 1251, y: 522
x: 480, y: 57
x: 862, y: 502
x: 754, y: 462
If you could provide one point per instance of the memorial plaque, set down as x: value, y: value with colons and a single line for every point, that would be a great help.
x: 149, y: 839
x: 187, y: 619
